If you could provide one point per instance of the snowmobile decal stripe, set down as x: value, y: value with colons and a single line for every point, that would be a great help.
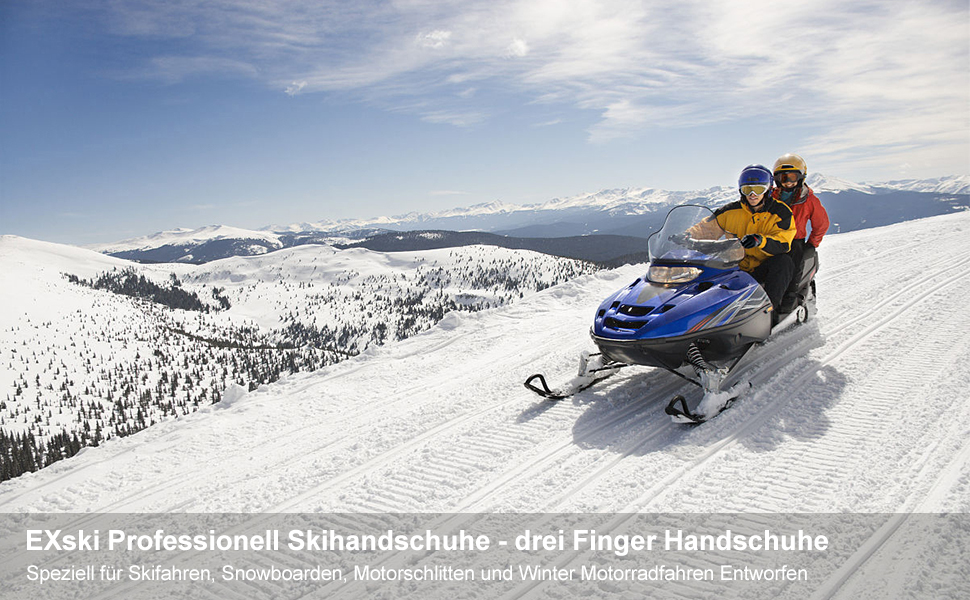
x: 717, y: 317
x: 737, y: 305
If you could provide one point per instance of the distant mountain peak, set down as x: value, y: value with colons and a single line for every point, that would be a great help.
x: 185, y: 237
x: 954, y: 184
x: 824, y: 183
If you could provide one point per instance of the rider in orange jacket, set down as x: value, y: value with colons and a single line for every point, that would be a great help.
x: 789, y: 172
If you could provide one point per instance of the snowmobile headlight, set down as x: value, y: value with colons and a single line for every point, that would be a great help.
x: 658, y: 274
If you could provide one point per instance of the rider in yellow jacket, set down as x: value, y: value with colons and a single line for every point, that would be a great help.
x: 771, y: 220
x: 766, y: 228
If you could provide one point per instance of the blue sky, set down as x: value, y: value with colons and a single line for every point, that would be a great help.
x: 120, y: 118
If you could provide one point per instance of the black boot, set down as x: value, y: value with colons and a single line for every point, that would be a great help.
x: 788, y: 304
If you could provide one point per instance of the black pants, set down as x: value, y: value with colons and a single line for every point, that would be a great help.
x: 797, y: 254
x: 774, y: 274
x: 801, y: 251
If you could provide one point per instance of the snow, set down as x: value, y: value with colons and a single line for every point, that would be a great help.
x: 862, y: 410
x: 954, y: 184
x: 941, y: 185
x: 183, y: 236
x: 484, y: 208
x: 861, y: 389
x: 18, y: 256
x: 499, y: 216
x: 821, y: 183
x: 70, y: 353
x: 233, y: 394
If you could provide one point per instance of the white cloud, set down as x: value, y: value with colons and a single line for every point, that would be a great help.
x: 295, y: 88
x: 866, y: 70
x: 434, y: 39
x: 460, y: 119
x: 518, y: 48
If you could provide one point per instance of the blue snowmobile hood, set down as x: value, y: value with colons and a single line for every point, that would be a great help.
x: 645, y: 310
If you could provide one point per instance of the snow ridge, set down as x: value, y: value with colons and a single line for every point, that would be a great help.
x: 185, y: 237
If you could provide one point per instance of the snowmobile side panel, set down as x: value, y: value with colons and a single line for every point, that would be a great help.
x: 717, y: 344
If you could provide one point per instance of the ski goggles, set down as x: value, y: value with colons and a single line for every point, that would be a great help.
x: 754, y: 189
x: 787, y: 177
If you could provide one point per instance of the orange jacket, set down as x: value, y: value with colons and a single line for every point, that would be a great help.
x: 807, y: 208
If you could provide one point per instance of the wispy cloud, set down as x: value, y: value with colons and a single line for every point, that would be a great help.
x: 458, y: 118
x: 863, y: 74
x: 433, y: 39
x: 295, y: 88
x: 517, y: 49
x: 174, y: 69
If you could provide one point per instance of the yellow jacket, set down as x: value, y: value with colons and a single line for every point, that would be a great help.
x: 773, y: 221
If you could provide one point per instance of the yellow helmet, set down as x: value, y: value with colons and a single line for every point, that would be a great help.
x: 790, y: 163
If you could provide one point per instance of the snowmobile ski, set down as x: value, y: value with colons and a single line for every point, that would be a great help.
x: 592, y: 370
x: 711, y: 405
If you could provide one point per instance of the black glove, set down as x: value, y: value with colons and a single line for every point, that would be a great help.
x: 681, y: 239
x: 751, y: 240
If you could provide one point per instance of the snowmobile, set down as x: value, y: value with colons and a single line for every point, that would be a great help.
x: 694, y: 313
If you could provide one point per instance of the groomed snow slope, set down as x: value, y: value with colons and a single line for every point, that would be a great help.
x: 862, y: 410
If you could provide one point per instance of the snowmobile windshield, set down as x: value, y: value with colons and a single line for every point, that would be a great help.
x: 691, y: 236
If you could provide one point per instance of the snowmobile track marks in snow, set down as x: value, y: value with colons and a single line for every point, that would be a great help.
x: 559, y: 457
x: 711, y: 452
x: 837, y: 581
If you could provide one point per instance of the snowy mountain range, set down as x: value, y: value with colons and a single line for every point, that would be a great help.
x: 613, y: 202
x: 625, y: 213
